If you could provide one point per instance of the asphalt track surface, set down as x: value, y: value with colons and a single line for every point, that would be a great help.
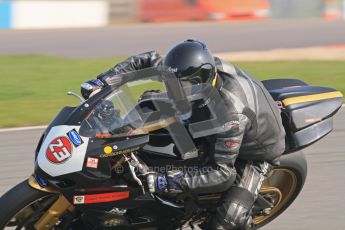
x: 320, y: 205
x: 132, y: 39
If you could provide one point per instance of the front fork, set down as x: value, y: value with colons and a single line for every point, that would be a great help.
x: 52, y: 215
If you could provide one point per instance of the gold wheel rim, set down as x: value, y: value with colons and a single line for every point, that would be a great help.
x: 28, y: 208
x: 281, y: 184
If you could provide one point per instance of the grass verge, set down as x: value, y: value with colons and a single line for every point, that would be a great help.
x: 33, y: 88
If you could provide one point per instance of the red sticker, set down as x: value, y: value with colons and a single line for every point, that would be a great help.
x: 100, y: 198
x: 231, y: 144
x: 92, y: 162
x: 59, y: 150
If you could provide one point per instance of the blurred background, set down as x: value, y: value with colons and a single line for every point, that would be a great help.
x: 48, y: 47
x: 28, y: 14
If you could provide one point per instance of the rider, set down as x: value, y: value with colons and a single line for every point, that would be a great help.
x: 253, y: 133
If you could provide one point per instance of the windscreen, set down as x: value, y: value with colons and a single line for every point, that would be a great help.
x: 140, y: 104
x: 155, y: 100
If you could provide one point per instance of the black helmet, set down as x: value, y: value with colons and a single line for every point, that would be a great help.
x: 191, y: 61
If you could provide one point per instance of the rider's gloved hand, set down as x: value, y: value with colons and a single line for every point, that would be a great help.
x: 159, y: 183
x: 91, y: 87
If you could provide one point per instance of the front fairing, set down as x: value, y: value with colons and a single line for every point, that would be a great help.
x: 84, y: 171
x: 66, y: 125
x: 70, y: 161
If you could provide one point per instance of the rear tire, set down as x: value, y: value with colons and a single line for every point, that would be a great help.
x: 297, y: 164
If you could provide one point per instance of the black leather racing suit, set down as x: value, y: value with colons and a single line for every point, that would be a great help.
x: 253, y: 133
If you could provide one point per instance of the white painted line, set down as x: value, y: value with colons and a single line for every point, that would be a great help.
x: 22, y: 128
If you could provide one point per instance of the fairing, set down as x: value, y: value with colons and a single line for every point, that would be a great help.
x: 61, y: 153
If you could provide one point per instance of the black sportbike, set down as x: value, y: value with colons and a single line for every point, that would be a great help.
x: 89, y: 159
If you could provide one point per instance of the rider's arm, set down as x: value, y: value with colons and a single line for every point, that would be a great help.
x: 217, y: 176
x: 141, y: 61
x: 222, y: 174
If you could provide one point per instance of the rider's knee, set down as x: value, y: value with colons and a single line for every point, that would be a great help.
x: 231, y: 224
x: 235, y: 213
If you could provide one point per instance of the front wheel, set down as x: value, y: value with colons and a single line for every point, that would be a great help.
x: 23, y: 206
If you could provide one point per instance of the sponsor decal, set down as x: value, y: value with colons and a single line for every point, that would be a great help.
x: 78, y: 200
x: 59, y: 150
x: 124, y: 151
x: 113, y: 222
x: 100, y: 198
x: 117, y: 211
x: 172, y: 70
x: 108, y: 149
x: 75, y: 138
x: 103, y: 135
x: 92, y: 162
x: 231, y: 144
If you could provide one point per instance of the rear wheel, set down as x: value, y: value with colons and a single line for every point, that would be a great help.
x: 283, y: 186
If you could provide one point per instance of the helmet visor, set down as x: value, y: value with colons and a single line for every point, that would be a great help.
x: 203, y: 74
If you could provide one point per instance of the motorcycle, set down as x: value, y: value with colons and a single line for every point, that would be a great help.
x: 89, y: 159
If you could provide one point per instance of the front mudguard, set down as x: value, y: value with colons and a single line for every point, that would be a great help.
x: 35, y: 185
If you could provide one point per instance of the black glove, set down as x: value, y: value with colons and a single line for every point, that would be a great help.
x: 159, y: 183
x: 90, y: 87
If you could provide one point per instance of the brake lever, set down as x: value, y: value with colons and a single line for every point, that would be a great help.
x: 134, y: 175
x: 81, y: 100
x: 143, y: 169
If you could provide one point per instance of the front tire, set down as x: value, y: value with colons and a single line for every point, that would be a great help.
x: 22, y: 206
